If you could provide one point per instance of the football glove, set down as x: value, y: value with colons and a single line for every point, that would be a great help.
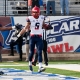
x: 19, y: 26
x: 49, y: 27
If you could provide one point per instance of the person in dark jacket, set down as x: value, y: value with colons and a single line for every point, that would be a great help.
x: 17, y: 42
x: 35, y: 3
x: 27, y: 37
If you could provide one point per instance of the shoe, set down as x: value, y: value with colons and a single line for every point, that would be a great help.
x: 41, y: 69
x: 33, y: 63
x: 30, y: 67
x: 11, y: 55
x: 46, y: 63
x: 1, y: 72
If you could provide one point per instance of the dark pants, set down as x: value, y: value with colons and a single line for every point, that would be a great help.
x: 19, y: 42
x: 35, y: 3
x: 36, y: 40
x: 44, y: 52
x: 52, y: 5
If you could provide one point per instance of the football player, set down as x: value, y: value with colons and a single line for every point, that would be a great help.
x: 35, y: 23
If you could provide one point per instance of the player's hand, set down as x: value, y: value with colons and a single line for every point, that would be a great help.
x: 49, y: 27
x: 16, y: 38
x: 18, y: 26
x: 13, y: 27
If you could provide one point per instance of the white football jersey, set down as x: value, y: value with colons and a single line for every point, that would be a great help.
x: 36, y: 25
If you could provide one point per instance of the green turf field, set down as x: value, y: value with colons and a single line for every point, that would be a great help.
x: 24, y: 66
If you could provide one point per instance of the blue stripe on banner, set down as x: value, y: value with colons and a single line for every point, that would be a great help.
x: 12, y: 21
x: 53, y: 39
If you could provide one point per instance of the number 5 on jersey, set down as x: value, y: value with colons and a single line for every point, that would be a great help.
x: 37, y: 26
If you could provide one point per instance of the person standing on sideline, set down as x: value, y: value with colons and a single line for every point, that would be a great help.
x: 35, y: 23
x: 3, y: 28
x: 64, y: 7
x: 35, y: 3
x: 50, y: 4
x: 27, y: 37
x: 18, y: 42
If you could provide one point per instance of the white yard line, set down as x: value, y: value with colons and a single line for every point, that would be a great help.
x: 72, y: 67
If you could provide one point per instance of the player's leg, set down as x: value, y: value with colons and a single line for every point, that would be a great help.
x: 1, y: 72
x: 12, y: 43
x: 0, y: 56
x: 27, y: 50
x: 0, y: 52
x: 45, y: 52
x: 32, y: 46
x: 39, y: 45
x: 19, y: 43
x: 35, y: 59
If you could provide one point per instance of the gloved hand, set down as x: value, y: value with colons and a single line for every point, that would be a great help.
x: 15, y: 38
x: 49, y: 27
x: 18, y: 26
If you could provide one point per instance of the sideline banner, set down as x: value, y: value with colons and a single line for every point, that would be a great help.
x: 64, y: 37
x: 4, y: 35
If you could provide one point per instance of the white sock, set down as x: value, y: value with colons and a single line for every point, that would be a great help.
x: 40, y: 65
x: 30, y: 63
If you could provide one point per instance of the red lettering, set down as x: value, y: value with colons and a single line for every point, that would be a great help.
x: 67, y: 47
x: 57, y: 48
x: 48, y: 50
x: 60, y: 48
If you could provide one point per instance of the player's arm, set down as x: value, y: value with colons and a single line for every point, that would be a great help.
x: 25, y: 29
x: 5, y: 28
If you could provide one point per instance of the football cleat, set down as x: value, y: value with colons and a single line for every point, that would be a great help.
x: 41, y: 69
x: 33, y: 63
x: 30, y: 67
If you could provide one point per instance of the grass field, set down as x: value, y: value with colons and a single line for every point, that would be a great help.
x: 24, y: 66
